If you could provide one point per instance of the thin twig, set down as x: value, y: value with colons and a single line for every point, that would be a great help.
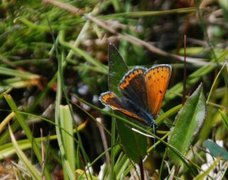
x: 137, y: 41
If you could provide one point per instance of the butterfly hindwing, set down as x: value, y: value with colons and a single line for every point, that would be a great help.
x: 156, y: 80
x: 133, y: 87
x: 115, y: 103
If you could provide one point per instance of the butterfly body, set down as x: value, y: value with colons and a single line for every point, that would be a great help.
x: 142, y: 93
x: 141, y: 112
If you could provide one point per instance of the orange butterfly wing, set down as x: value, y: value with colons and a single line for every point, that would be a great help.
x: 111, y: 100
x: 157, y: 80
x: 133, y: 87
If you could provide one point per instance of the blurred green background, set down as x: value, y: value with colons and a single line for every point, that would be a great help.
x: 54, y: 65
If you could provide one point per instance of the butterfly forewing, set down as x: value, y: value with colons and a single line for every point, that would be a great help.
x: 156, y: 80
x: 133, y: 87
x: 115, y: 103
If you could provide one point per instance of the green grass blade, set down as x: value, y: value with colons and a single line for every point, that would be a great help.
x: 81, y: 53
x: 68, y: 173
x: 32, y: 170
x: 194, y: 77
x: 24, y: 125
x: 19, y: 74
x: 67, y: 134
x: 224, y: 118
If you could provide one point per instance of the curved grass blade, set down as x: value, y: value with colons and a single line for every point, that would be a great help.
x: 33, y: 171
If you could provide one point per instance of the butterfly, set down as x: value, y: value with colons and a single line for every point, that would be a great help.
x: 142, y: 92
